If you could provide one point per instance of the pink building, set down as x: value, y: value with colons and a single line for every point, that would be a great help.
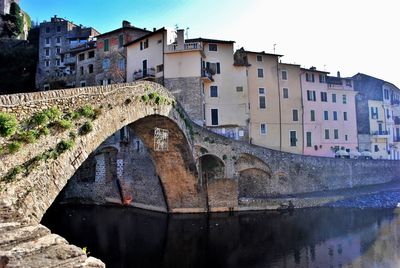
x: 329, y: 113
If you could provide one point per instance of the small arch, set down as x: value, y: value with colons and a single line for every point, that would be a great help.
x: 211, y: 167
x: 255, y: 182
x: 248, y: 161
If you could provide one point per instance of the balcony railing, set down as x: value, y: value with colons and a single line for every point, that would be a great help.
x: 206, y: 75
x: 144, y: 74
x: 380, y: 133
x: 185, y: 47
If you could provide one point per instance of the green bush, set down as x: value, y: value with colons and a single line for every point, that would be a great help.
x: 72, y: 135
x: 29, y: 136
x: 145, y: 98
x: 14, y: 147
x: 8, y: 125
x: 40, y: 119
x: 72, y: 115
x: 64, y: 146
x: 44, y: 131
x: 86, y: 128
x: 62, y: 124
x: 53, y: 113
x: 87, y: 111
x: 12, y: 174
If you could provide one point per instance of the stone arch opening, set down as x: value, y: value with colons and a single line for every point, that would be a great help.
x: 255, y: 182
x: 247, y: 161
x: 211, y: 167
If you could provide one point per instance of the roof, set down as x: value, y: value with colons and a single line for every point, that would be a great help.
x: 207, y: 40
x: 262, y: 53
x: 145, y: 36
x: 314, y: 70
x: 381, y: 80
x: 122, y: 29
x: 291, y: 64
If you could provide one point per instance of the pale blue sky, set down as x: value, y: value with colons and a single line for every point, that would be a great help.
x: 346, y: 35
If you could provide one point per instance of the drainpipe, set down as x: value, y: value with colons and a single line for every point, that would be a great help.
x: 302, y: 112
x: 279, y: 100
x: 163, y: 57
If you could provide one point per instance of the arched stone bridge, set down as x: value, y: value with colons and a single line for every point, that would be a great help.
x: 201, y: 171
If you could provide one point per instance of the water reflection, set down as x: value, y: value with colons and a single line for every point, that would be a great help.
x: 328, y: 237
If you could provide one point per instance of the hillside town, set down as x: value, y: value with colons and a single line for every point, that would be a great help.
x: 252, y: 96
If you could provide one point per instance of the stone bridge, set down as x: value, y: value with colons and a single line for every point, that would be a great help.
x: 199, y: 171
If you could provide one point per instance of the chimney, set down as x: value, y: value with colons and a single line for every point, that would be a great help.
x: 313, y: 68
x: 338, y: 74
x: 154, y: 29
x: 180, y: 40
x: 126, y: 23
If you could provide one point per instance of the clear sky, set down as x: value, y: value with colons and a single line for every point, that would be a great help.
x: 349, y: 36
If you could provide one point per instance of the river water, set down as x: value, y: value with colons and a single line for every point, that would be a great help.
x: 322, y: 237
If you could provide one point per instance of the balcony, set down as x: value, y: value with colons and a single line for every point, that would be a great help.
x: 146, y: 73
x: 206, y: 75
x: 186, y: 47
x: 380, y: 134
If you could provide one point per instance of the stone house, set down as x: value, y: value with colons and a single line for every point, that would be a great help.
x: 110, y: 59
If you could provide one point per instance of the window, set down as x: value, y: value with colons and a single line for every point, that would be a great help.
x: 145, y: 43
x: 47, y: 29
x: 215, y: 68
x: 58, y: 29
x: 58, y: 62
x: 261, y: 98
x: 326, y: 134
x: 239, y: 89
x: 311, y: 96
x: 212, y: 47
x: 344, y: 97
x: 324, y: 96
x: 106, y: 45
x: 284, y: 75
x: 310, y: 77
x: 120, y: 40
x: 81, y: 57
x: 334, y: 98
x: 47, y: 41
x: 91, y: 54
x: 214, y: 117
x: 47, y: 63
x: 259, y: 58
x: 90, y: 68
x: 295, y: 114
x: 47, y: 51
x: 263, y: 129
x: 58, y: 40
x: 326, y: 115
x: 336, y: 134
x: 213, y: 91
x: 387, y: 114
x: 348, y: 83
x: 334, y: 115
x: 285, y: 93
x: 260, y: 73
x: 46, y: 87
x: 312, y: 115
x: 374, y: 113
x: 81, y: 71
x: 346, y: 137
x: 308, y: 139
x: 386, y: 94
x: 160, y: 68
x: 376, y: 148
x: 322, y: 78
x: 345, y: 116
x: 58, y: 50
x: 293, y: 138
x: 106, y: 64
x: 218, y: 68
x: 121, y: 64
x: 83, y: 83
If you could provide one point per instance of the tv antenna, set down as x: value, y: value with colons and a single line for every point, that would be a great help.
x: 274, y: 48
x: 187, y: 32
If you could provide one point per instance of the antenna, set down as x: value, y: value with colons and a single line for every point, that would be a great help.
x: 176, y: 27
x: 187, y: 32
x: 274, y: 48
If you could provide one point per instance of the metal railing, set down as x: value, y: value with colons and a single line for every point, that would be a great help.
x: 186, y: 47
x: 144, y: 73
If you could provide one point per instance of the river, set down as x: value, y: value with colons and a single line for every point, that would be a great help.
x: 318, y: 237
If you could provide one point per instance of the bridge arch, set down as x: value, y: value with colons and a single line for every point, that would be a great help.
x: 211, y: 167
x: 176, y: 167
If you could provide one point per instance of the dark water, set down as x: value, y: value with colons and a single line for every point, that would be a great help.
x: 325, y: 237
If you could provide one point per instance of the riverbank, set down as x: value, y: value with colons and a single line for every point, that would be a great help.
x: 385, y: 195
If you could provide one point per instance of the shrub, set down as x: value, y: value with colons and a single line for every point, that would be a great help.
x: 44, y: 131
x: 72, y: 115
x: 62, y: 124
x: 12, y: 174
x: 14, y: 147
x: 40, y: 119
x: 8, y: 125
x: 86, y: 128
x: 152, y: 95
x: 53, y: 113
x: 1, y: 150
x: 87, y: 111
x: 64, y: 146
x: 145, y: 98
x: 72, y: 135
x: 29, y: 136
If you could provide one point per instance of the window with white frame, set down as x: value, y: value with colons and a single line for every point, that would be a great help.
x: 260, y: 72
x: 285, y: 93
x: 261, y: 98
x: 213, y: 91
x: 284, y: 75
x: 263, y: 129
x: 259, y: 58
x: 212, y: 47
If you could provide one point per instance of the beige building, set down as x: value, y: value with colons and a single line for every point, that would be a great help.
x: 199, y: 72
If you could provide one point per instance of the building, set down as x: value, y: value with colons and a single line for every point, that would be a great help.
x: 110, y: 59
x: 200, y: 73
x: 56, y: 65
x: 85, y: 61
x: 329, y: 113
x: 378, y: 116
x: 5, y: 6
